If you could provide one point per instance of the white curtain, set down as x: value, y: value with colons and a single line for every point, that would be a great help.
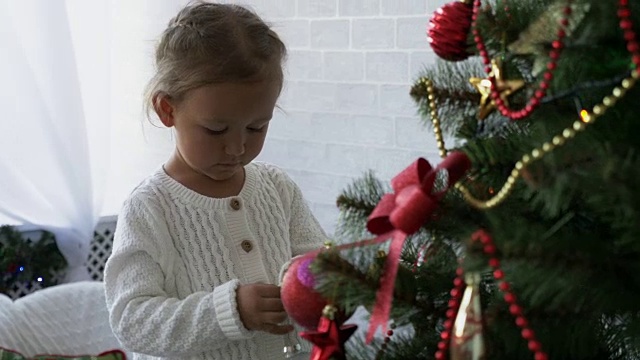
x: 54, y: 130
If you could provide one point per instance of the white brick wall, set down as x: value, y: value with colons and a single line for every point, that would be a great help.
x: 346, y: 104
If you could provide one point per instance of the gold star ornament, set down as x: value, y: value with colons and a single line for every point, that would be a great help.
x: 505, y: 89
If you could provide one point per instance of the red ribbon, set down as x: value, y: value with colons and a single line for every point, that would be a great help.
x: 401, y: 214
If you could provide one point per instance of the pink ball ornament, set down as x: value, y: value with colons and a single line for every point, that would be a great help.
x: 302, y: 303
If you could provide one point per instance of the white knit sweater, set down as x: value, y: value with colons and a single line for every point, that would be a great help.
x: 178, y: 257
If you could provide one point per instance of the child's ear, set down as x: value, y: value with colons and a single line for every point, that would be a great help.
x: 164, y: 108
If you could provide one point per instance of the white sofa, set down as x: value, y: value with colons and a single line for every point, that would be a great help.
x: 67, y: 319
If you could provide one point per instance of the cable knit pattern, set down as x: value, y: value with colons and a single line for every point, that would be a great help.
x: 179, y: 256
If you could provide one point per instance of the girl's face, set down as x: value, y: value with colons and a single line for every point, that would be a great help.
x: 222, y: 127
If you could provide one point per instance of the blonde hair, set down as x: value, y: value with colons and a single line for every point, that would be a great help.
x: 208, y: 43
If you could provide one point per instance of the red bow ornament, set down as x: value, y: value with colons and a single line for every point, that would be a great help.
x: 404, y: 212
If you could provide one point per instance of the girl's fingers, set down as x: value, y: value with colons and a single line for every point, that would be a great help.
x: 271, y: 305
x: 275, y: 317
x: 269, y: 291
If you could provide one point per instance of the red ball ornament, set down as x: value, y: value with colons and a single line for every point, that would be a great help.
x: 303, y: 304
x: 449, y: 30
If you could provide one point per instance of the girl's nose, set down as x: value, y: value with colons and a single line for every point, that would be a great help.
x: 235, y: 146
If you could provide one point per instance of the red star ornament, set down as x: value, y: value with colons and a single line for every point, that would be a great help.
x: 328, y: 340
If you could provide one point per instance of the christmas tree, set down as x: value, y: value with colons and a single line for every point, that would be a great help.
x: 524, y: 242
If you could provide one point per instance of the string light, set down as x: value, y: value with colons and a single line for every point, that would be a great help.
x: 586, y: 118
x: 584, y: 114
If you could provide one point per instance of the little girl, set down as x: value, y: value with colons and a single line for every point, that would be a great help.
x: 200, y: 243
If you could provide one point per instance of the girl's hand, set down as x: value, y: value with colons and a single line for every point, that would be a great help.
x: 261, y: 309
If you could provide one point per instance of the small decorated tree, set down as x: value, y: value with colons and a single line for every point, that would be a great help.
x: 25, y: 261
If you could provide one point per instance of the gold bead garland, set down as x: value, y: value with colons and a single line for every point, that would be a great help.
x: 435, y: 120
x: 587, y: 118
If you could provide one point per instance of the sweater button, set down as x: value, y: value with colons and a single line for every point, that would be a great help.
x: 246, y: 245
x: 235, y: 204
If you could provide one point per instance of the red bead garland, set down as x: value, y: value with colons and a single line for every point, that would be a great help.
x: 509, y: 297
x: 554, y: 54
x: 443, y: 345
x: 624, y: 14
x: 387, y: 340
